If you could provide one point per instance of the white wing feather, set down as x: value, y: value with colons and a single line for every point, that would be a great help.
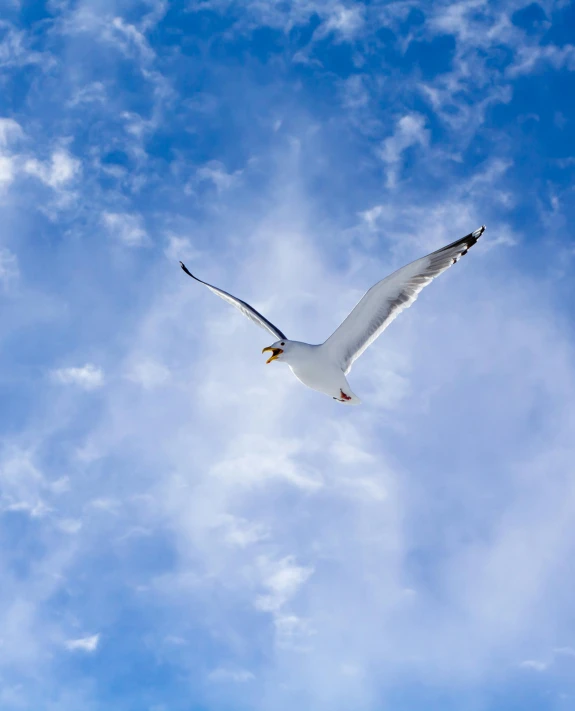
x: 388, y: 298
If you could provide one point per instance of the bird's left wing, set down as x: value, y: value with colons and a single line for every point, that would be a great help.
x: 246, y: 309
x: 387, y: 299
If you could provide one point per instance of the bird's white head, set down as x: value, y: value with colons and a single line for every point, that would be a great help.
x: 277, y: 350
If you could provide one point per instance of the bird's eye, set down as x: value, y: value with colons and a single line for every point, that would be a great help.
x: 282, y: 344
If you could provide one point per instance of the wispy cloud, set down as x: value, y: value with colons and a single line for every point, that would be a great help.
x: 237, y: 676
x: 15, y: 48
x: 534, y: 664
x: 564, y: 651
x: 10, y: 130
x: 282, y: 579
x: 23, y: 488
x: 9, y: 271
x: 126, y: 228
x: 88, y: 377
x: 531, y: 58
x: 57, y: 172
x: 84, y: 644
x: 215, y: 172
x: 409, y: 131
x: 148, y: 373
x: 10, y: 133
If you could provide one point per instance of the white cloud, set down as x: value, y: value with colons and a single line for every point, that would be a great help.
x: 148, y: 374
x: 216, y: 173
x: 95, y: 92
x: 351, y: 670
x: 293, y: 632
x: 254, y: 459
x: 108, y: 505
x: 7, y: 171
x: 14, y: 51
x: 241, y: 532
x: 455, y: 18
x: 344, y: 21
x: 409, y: 131
x: 564, y: 651
x: 88, y: 377
x: 479, y: 32
x: 23, y: 487
x: 236, y: 676
x: 365, y: 487
x: 60, y: 485
x: 36, y: 509
x: 356, y: 96
x: 58, y: 172
x: 541, y: 666
x: 84, y: 644
x: 70, y: 525
x: 126, y: 228
x: 282, y: 579
x: 133, y: 39
x: 535, y: 665
x: 175, y: 640
x: 529, y: 59
x: 9, y: 271
x: 179, y: 248
x: 371, y: 216
x: 10, y: 131
x: 151, y: 19
x: 114, y: 31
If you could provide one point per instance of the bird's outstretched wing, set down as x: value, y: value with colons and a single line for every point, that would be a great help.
x: 387, y: 299
x: 246, y: 309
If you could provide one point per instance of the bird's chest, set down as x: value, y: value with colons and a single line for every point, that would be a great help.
x: 318, y: 375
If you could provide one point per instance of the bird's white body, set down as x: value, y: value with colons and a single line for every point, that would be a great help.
x: 324, y: 367
x: 313, y: 366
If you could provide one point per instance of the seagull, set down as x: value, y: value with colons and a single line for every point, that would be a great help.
x: 323, y: 367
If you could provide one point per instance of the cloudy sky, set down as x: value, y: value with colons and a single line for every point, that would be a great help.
x: 183, y: 528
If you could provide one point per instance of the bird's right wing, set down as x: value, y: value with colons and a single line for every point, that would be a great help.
x: 246, y: 309
x: 387, y: 299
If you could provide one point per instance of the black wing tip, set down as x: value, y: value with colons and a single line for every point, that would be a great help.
x: 477, y: 234
x: 472, y: 238
x: 465, y: 242
x: 188, y: 272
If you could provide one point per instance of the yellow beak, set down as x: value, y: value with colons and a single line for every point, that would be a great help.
x: 275, y: 353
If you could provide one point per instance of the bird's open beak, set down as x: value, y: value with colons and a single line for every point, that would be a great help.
x: 274, y: 351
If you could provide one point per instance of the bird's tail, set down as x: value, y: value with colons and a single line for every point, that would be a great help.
x: 348, y: 397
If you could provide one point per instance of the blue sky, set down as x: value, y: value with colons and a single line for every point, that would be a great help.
x: 185, y: 529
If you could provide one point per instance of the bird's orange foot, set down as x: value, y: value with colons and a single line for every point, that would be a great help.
x: 344, y: 397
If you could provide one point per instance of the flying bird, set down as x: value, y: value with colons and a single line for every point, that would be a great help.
x: 323, y: 367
